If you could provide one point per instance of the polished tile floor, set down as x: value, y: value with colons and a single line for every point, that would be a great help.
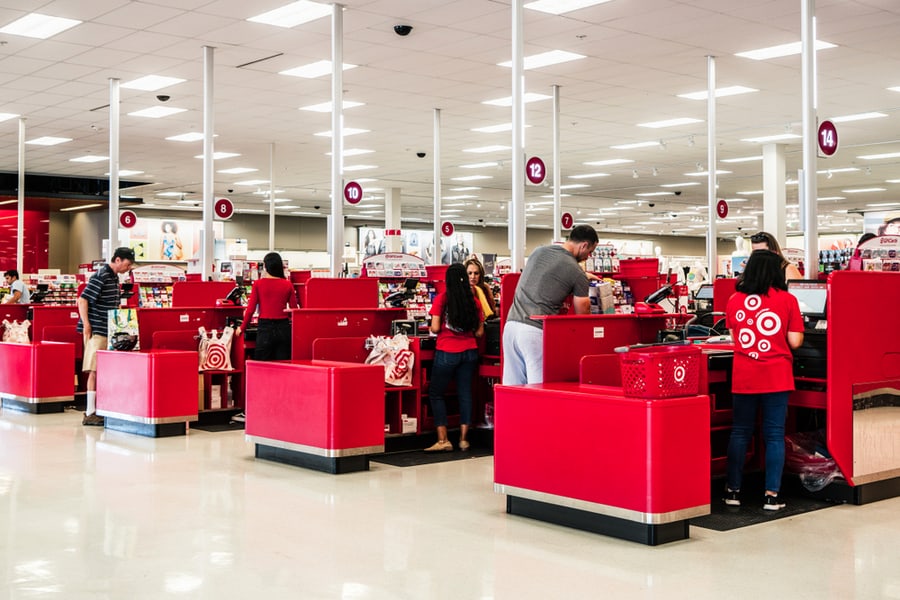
x: 93, y: 514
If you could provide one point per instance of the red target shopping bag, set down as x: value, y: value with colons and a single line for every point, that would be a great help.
x: 215, y: 349
x: 394, y: 354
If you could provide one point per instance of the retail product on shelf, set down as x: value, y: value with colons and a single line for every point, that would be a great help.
x: 154, y: 284
x: 881, y: 253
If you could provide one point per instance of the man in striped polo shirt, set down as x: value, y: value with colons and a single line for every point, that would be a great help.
x: 100, y: 295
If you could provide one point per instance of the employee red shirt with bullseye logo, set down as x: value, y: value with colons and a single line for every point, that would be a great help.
x: 450, y: 339
x: 759, y: 324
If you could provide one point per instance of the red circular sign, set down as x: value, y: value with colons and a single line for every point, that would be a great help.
x: 353, y: 192
x: 447, y: 228
x: 567, y: 221
x: 535, y: 170
x: 827, y: 138
x: 722, y: 209
x: 224, y: 208
x: 127, y: 219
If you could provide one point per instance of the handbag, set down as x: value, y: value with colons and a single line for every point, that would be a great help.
x: 15, y: 332
x: 215, y: 349
x: 394, y: 354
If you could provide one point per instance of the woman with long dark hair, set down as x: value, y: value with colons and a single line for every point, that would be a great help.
x: 457, y: 319
x: 766, y: 324
x: 273, y: 294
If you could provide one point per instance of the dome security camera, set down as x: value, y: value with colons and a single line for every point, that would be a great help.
x: 317, y: 207
x: 677, y: 192
x: 163, y: 98
x: 651, y: 204
x: 230, y: 190
x: 402, y: 30
x: 420, y: 154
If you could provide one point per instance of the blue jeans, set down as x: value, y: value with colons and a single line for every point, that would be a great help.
x: 444, y: 367
x: 774, y: 413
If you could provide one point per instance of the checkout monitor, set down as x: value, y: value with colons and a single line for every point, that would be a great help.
x: 812, y: 296
x: 704, y: 292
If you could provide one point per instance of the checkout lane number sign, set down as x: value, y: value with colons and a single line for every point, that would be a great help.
x: 353, y: 192
x: 535, y: 170
x: 828, y: 138
x: 224, y: 208
x: 127, y: 219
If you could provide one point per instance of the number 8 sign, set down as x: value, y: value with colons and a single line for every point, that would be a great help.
x: 224, y: 208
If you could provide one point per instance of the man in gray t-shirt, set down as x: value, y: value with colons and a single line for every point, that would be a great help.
x: 551, y: 274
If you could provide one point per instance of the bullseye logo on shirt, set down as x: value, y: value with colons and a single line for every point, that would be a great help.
x: 756, y: 327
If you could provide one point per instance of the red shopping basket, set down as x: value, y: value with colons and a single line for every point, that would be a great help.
x: 663, y: 371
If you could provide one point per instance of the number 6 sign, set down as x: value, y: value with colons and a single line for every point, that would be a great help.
x: 224, y: 208
x: 535, y: 170
x: 127, y: 219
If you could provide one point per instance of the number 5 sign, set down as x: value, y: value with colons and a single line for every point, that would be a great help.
x: 535, y: 170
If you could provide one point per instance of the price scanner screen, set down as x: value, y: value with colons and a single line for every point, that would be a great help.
x: 811, y: 295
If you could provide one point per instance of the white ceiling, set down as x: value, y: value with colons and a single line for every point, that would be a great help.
x: 640, y: 55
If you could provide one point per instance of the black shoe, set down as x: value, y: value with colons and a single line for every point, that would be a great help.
x: 93, y: 420
x: 732, y: 497
x: 773, y: 503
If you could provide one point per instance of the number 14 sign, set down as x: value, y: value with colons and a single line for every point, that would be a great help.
x: 828, y: 138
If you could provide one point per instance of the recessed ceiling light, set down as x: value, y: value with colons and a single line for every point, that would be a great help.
x: 651, y: 194
x: 496, y: 128
x: 635, y: 145
x: 742, y: 159
x: 670, y: 122
x: 459, y: 197
x: 545, y: 59
x: 157, y: 112
x: 346, y: 131
x: 219, y: 155
x: 841, y: 170
x: 278, y: 200
x: 151, y: 83
x: 772, y: 138
x: 250, y: 210
x: 7, y: 116
x: 781, y: 50
x: 465, y: 189
x: 293, y: 14
x: 722, y: 92
x: 484, y: 149
x: 353, y: 152
x: 36, y: 25
x: 895, y: 88
x: 573, y: 186
x: 526, y: 98
x: 606, y: 163
x: 857, y: 117
x: 325, y: 107
x: 480, y: 165
x: 879, y: 156
x: 170, y: 194
x: 89, y: 158
x: 588, y: 175
x: 864, y: 190
x: 832, y: 198
x: 360, y: 167
x: 252, y: 182
x: 313, y: 70
x: 471, y: 178
x: 561, y: 196
x: 126, y: 173
x: 82, y: 207
x: 237, y: 170
x: 675, y: 185
x: 559, y: 7
x: 881, y: 204
x: 752, y: 193
x: 702, y: 173
x: 193, y: 136
x: 48, y: 140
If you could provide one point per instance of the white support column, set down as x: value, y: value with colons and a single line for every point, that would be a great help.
x: 114, y: 106
x: 711, y: 252
x: 557, y: 208
x: 336, y: 223
x: 207, y: 258
x: 272, y: 197
x: 810, y: 192
x: 517, y: 202
x: 774, y: 192
x: 436, y: 255
x: 20, y: 222
x: 392, y: 218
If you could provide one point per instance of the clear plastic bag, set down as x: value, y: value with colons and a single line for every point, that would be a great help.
x: 806, y: 455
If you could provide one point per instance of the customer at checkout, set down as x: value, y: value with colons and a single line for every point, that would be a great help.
x: 18, y: 291
x: 551, y: 274
x: 475, y: 271
x: 766, y: 324
x: 457, y: 319
x: 767, y: 241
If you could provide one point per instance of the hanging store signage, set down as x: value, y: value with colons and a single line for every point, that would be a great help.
x: 722, y: 209
x: 127, y: 219
x: 827, y: 138
x: 567, y: 221
x: 353, y: 192
x: 535, y: 170
x: 224, y: 208
x: 447, y: 228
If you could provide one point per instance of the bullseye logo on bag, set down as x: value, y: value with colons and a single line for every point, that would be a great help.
x: 216, y: 357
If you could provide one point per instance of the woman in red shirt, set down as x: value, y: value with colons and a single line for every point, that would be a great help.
x: 457, y: 319
x: 766, y: 324
x: 272, y: 293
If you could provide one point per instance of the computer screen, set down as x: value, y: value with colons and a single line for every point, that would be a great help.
x: 704, y: 292
x: 811, y: 295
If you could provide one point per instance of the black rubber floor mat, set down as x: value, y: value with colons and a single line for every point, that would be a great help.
x: 750, y: 512
x: 420, y: 457
x: 217, y: 427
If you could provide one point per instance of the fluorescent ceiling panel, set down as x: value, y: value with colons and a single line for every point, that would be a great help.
x: 36, y: 25
x: 347, y: 131
x: 781, y: 137
x: 588, y: 175
x: 313, y: 70
x: 732, y: 90
x: 82, y: 207
x: 237, y: 170
x: 496, y: 128
x: 481, y: 165
x: 471, y: 178
x: 325, y: 107
x: 360, y: 167
x: 89, y: 158
x: 858, y: 117
x: 742, y: 159
x: 864, y: 190
x: 186, y: 137
x: 879, y: 156
x: 353, y: 152
x: 703, y: 173
x: 126, y: 173
x: 560, y: 7
x: 484, y: 149
x: 545, y: 59
x: 7, y: 116
x: 635, y: 145
x: 606, y: 163
x: 48, y: 140
x: 218, y: 155
x: 252, y: 182
x: 675, y: 185
x: 151, y: 83
x: 157, y: 112
x: 781, y: 50
x: 670, y: 122
x: 293, y: 14
x: 526, y: 98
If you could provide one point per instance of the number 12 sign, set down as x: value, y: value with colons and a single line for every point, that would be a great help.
x: 535, y: 170
x: 828, y: 138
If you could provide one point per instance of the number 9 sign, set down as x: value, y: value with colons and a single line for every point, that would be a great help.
x: 127, y: 219
x: 224, y: 208
x: 535, y: 170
